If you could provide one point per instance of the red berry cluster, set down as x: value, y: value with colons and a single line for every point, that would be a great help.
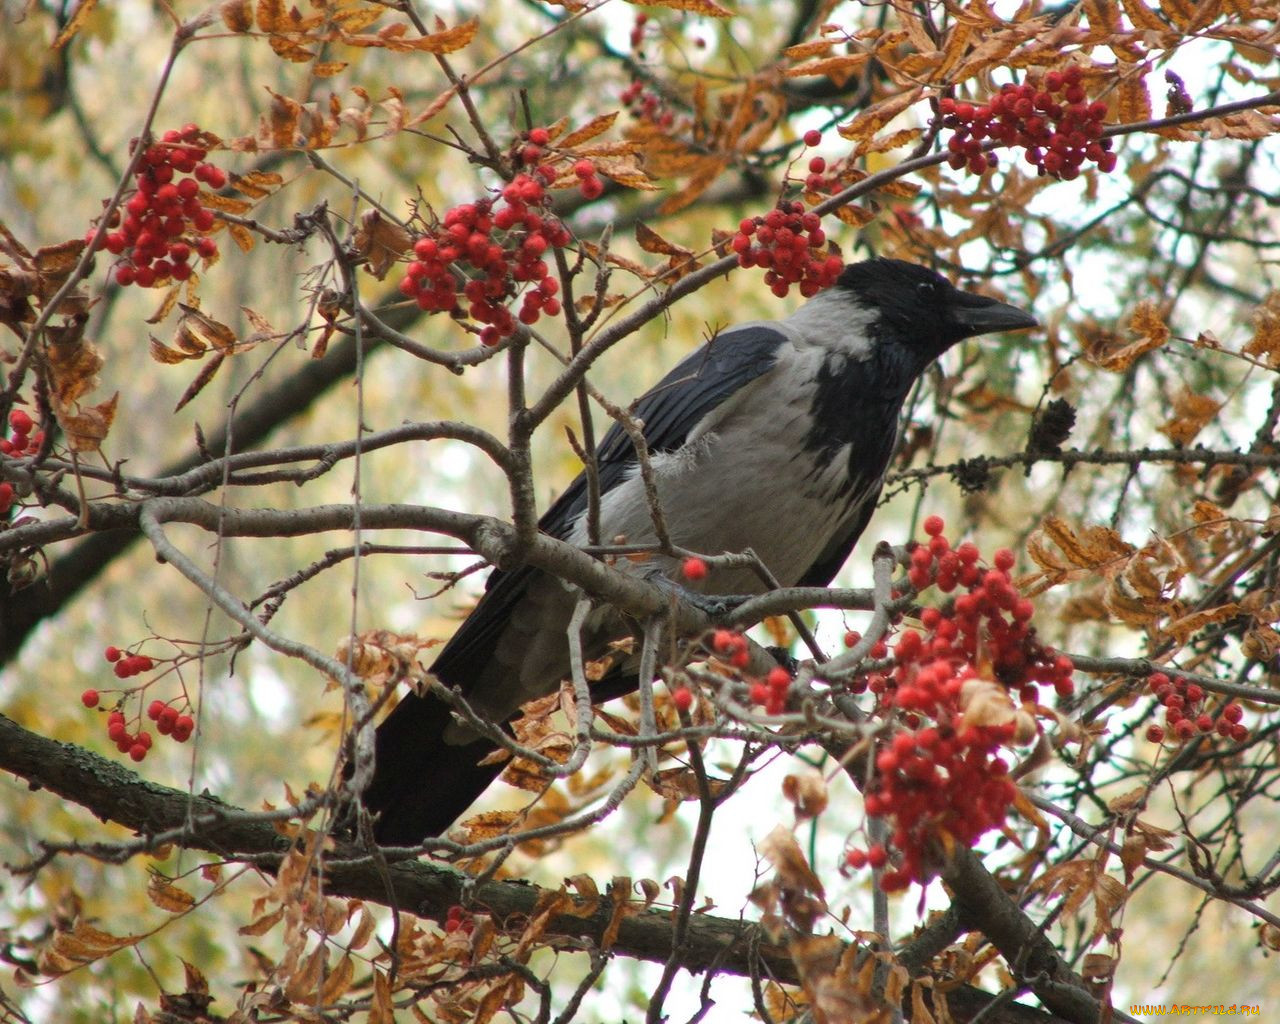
x: 732, y: 646
x: 637, y: 31
x: 1185, y: 713
x: 532, y: 152
x: 771, y: 693
x: 458, y: 920
x: 23, y: 439
x: 646, y: 105
x: 990, y: 616
x: 155, y: 236
x: 126, y: 665
x: 589, y: 183
x: 170, y: 722
x: 135, y: 744
x: 791, y: 245
x: 940, y: 778
x: 1050, y: 119
x: 486, y: 251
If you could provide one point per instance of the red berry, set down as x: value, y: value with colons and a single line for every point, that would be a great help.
x: 89, y: 698
x: 1233, y: 712
x: 138, y: 751
x: 1004, y: 560
x: 877, y: 856
x: 682, y: 698
x: 812, y: 137
x: 591, y: 188
x: 934, y: 525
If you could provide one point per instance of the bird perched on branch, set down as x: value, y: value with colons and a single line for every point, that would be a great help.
x: 773, y: 436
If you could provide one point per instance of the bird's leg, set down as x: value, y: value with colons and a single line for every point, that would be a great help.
x: 714, y: 606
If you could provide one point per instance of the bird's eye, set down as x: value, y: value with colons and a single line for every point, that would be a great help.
x: 927, y: 290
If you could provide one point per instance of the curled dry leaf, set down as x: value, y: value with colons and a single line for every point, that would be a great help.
x: 807, y: 793
x: 380, y: 242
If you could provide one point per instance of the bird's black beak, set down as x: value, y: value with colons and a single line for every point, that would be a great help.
x: 979, y: 314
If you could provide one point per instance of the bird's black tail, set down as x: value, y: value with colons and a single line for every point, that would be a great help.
x: 422, y: 784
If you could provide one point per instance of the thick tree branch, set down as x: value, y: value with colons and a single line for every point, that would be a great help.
x: 114, y: 793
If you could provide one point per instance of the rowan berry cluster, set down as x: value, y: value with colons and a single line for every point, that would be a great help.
x: 168, y: 719
x: 160, y: 231
x: 458, y: 920
x: 940, y: 779
x: 732, y: 646
x: 486, y: 252
x: 126, y: 665
x: 646, y: 105
x: 171, y: 722
x: 771, y: 692
x: 991, y: 615
x: 23, y: 438
x: 791, y: 245
x: 1051, y: 119
x: 1186, y: 714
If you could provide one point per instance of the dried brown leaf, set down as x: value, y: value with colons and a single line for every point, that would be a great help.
x: 1147, y: 323
x: 1265, y: 343
x: 237, y: 15
x: 206, y: 374
x: 380, y: 242
x: 1191, y: 414
x: 839, y: 69
x: 167, y: 896
x: 338, y: 982
x: 807, y: 793
x: 707, y: 8
x: 596, y: 126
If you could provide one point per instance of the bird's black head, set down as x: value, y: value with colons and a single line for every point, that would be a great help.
x: 922, y: 309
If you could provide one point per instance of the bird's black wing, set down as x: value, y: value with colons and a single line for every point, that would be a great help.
x: 421, y: 784
x: 670, y: 410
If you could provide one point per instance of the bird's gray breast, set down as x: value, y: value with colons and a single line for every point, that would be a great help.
x: 748, y: 477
